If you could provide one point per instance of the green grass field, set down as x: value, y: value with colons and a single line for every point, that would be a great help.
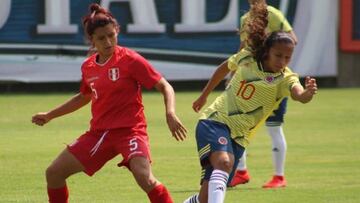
x: 323, y: 160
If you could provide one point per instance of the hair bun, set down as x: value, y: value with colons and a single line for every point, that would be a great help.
x: 94, y: 7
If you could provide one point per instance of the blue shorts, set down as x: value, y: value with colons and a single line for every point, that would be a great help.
x: 277, y: 117
x: 213, y: 136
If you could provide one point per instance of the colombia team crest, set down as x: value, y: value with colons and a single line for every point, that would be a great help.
x: 222, y: 140
x: 114, y: 74
x: 270, y: 79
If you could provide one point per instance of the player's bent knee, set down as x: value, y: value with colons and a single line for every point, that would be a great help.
x: 222, y: 161
x: 54, y: 174
x: 224, y: 165
x: 51, y: 171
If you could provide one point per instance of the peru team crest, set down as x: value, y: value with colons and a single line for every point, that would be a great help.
x: 114, y: 74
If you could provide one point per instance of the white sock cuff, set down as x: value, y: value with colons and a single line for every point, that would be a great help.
x: 219, y: 176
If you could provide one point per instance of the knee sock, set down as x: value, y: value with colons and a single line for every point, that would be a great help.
x: 58, y: 195
x: 192, y: 199
x: 217, y: 186
x: 160, y: 195
x: 278, y: 148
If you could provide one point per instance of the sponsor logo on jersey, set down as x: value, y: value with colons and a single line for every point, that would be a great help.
x: 114, y: 74
x: 91, y: 79
x: 223, y: 140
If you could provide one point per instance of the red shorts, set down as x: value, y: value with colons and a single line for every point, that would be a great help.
x: 94, y: 148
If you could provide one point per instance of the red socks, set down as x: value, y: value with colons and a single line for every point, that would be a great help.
x: 160, y: 195
x: 157, y: 195
x: 58, y: 195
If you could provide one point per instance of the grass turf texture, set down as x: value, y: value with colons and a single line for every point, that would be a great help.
x: 323, y: 160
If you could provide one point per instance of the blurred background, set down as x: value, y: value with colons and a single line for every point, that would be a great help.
x: 41, y: 41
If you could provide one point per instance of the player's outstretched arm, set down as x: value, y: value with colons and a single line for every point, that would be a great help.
x: 219, y: 74
x: 75, y: 103
x: 177, y: 129
x: 298, y: 93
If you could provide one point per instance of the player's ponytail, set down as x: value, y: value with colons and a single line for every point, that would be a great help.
x: 259, y: 41
x: 255, y: 26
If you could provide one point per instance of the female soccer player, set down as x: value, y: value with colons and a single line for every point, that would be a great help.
x: 111, y: 79
x: 276, y: 22
x: 260, y: 83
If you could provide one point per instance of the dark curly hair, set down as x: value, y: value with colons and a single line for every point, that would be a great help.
x: 259, y: 41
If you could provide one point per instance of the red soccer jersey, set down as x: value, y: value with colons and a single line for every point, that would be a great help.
x: 116, y: 88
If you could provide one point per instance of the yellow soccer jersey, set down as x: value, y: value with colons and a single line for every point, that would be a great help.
x: 250, y: 97
x: 276, y: 22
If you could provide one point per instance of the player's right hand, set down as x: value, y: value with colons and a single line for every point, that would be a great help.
x: 40, y: 118
x: 310, y: 85
x: 199, y: 103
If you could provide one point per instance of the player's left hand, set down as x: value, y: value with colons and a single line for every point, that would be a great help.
x: 310, y: 85
x: 177, y: 129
